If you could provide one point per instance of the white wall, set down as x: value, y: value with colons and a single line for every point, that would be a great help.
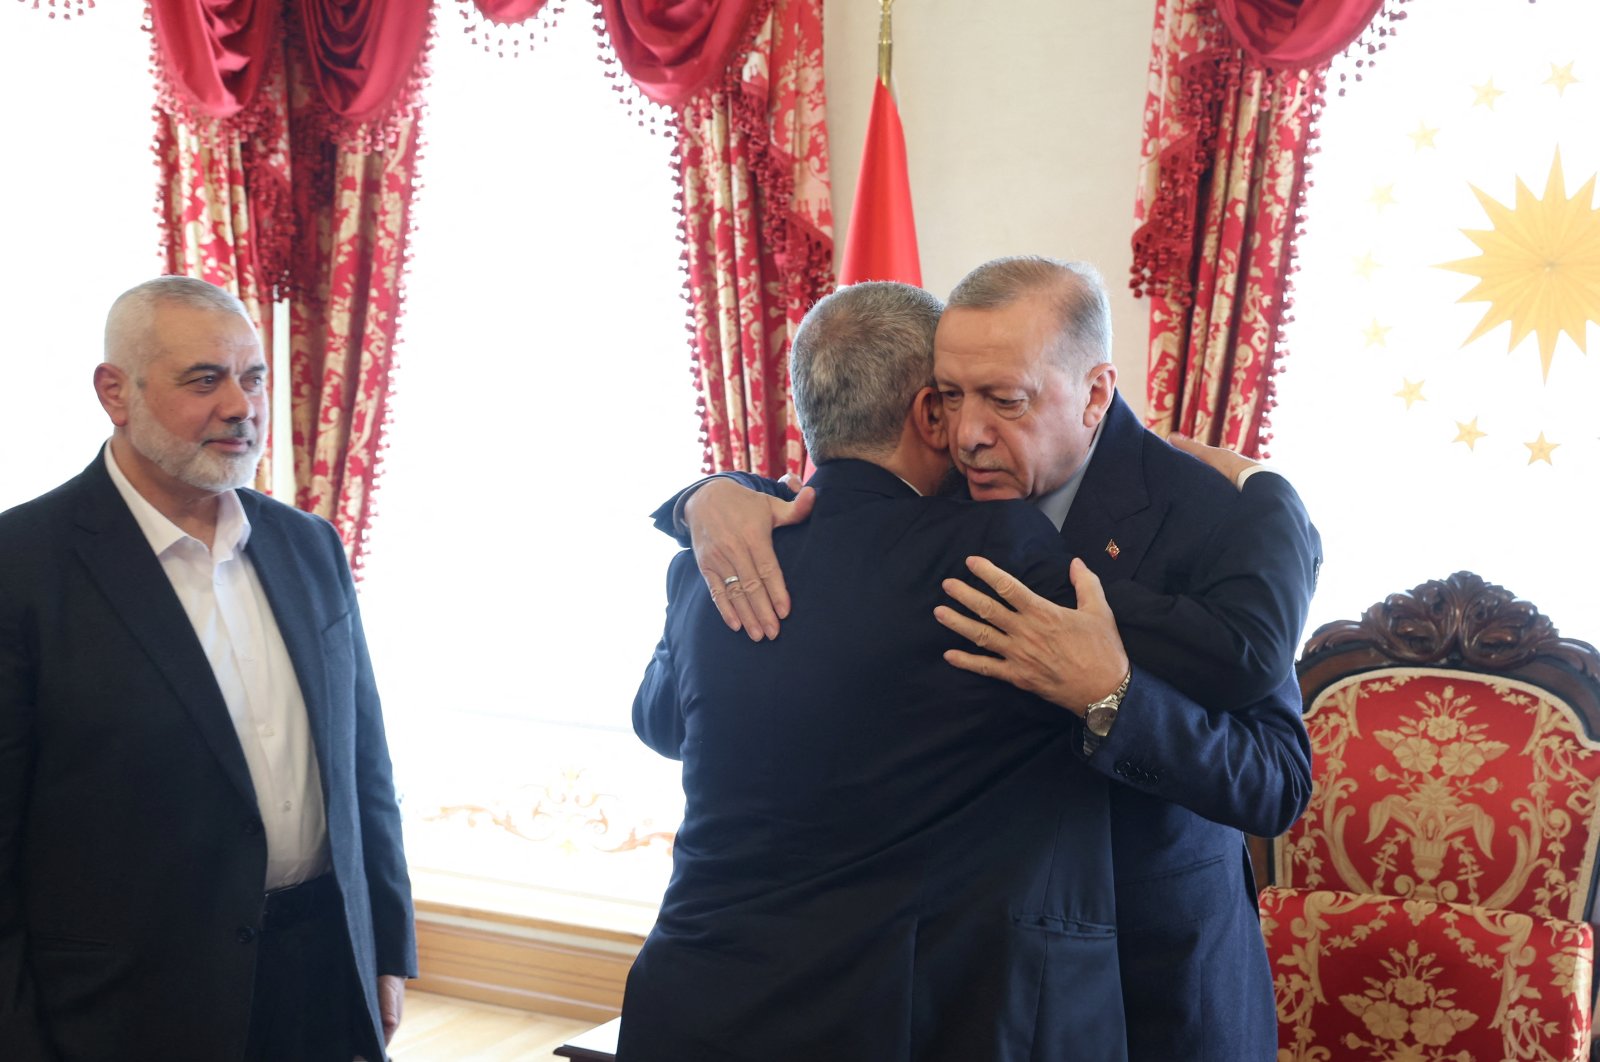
x: 1022, y: 123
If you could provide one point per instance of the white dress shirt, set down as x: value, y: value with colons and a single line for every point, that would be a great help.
x: 222, y: 594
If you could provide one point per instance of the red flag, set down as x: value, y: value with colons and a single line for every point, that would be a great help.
x: 882, y: 242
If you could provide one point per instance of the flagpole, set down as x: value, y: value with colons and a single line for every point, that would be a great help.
x: 885, y: 41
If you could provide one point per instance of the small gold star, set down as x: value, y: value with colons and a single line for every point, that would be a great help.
x: 1423, y: 137
x: 1383, y: 195
x: 1487, y: 94
x: 1377, y: 334
x: 1561, y: 77
x: 1366, y: 265
x: 1411, y: 392
x: 1469, y: 433
x: 1540, y: 450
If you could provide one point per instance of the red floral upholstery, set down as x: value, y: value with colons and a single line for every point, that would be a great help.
x: 1450, y: 731
x: 1410, y: 980
x: 1444, y: 785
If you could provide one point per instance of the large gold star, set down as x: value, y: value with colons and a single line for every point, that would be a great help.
x: 1561, y: 77
x: 1366, y: 265
x: 1539, y: 450
x: 1423, y: 137
x: 1377, y: 334
x: 1411, y: 392
x: 1383, y: 195
x: 1468, y: 433
x: 1538, y: 269
x: 1486, y: 94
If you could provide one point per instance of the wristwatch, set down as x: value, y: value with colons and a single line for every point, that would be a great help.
x: 1098, y: 717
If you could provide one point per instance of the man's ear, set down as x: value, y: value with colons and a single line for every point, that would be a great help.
x: 111, y: 385
x: 927, y: 412
x: 1102, y: 381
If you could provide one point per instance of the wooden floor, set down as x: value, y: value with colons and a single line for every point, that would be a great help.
x: 443, y: 1029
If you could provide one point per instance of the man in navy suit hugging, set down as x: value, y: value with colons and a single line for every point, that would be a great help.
x: 881, y: 857
x: 1209, y: 578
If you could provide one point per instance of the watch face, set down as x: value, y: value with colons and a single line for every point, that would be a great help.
x: 1099, y: 718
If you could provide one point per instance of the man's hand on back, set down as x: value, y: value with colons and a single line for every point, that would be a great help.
x: 730, y: 527
x: 1225, y: 461
x: 1068, y: 656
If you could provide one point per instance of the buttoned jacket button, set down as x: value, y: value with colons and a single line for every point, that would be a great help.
x: 250, y: 827
x: 245, y: 934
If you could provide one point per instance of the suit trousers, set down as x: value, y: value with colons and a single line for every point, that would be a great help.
x: 308, y: 1003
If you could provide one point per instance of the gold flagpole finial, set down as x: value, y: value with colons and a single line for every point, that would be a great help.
x: 885, y: 41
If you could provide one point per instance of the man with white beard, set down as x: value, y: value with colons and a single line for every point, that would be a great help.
x: 200, y: 852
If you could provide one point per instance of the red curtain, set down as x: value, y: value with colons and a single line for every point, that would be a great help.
x: 288, y: 156
x: 757, y: 222
x: 1228, y: 121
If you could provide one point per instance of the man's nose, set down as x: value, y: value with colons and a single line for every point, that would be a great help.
x: 233, y: 404
x: 972, y: 431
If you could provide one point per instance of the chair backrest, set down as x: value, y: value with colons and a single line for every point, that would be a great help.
x: 1370, y: 977
x: 1456, y: 754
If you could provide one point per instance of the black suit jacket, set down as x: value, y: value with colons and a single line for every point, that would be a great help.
x: 131, y: 849
x: 881, y: 856
x: 1210, y: 586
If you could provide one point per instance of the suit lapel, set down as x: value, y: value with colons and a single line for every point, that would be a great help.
x: 119, y: 559
x: 1113, y: 519
x: 300, y: 621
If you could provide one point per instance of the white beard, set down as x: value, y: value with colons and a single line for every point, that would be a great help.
x: 188, y: 462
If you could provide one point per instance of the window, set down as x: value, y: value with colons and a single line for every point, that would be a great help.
x: 1421, y: 444
x: 544, y: 406
x: 77, y: 226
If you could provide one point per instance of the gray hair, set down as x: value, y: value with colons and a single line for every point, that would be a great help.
x: 1077, y: 295
x: 859, y: 359
x: 131, y: 343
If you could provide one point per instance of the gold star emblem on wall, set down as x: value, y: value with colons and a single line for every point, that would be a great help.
x: 1561, y: 77
x: 1538, y: 269
x: 1540, y: 450
x: 1486, y: 94
x: 1423, y: 136
x: 1382, y: 196
x: 1411, y: 392
x: 1376, y: 334
x: 1468, y: 433
x: 1366, y: 265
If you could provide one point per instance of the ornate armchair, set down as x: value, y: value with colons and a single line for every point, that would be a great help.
x: 1456, y: 749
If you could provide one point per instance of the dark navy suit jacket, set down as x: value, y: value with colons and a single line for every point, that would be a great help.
x: 131, y: 850
x: 882, y: 857
x: 1210, y: 586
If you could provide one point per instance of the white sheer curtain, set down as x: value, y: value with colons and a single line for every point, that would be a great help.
x: 77, y: 226
x: 1422, y: 444
x: 544, y: 406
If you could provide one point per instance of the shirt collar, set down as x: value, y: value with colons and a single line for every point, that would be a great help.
x: 233, y: 527
x: 1056, y: 504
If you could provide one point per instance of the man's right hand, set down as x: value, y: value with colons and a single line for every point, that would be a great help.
x: 730, y: 528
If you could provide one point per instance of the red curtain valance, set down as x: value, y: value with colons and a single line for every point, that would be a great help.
x: 509, y: 12
x: 365, y: 55
x: 214, y: 54
x: 1295, y: 34
x: 676, y: 49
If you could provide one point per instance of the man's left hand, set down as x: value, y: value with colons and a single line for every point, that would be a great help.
x: 1069, y: 656
x: 391, y: 1001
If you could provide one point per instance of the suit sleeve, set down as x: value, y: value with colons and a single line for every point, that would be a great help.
x: 1234, y: 632
x: 666, y: 515
x: 383, y: 851
x: 1249, y: 767
x: 657, y: 714
x: 21, y: 1034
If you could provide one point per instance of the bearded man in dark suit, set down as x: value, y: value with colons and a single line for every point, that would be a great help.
x: 200, y: 854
